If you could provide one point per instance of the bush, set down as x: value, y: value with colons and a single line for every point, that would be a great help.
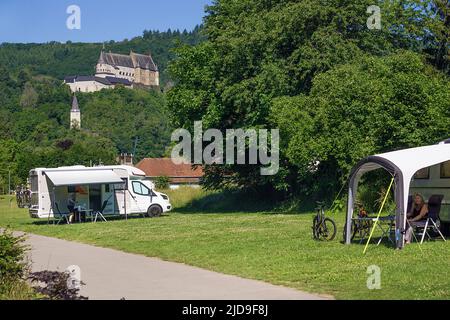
x: 162, y: 183
x: 13, y: 267
x: 54, y: 285
x: 12, y: 256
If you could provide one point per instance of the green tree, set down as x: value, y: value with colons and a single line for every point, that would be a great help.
x: 376, y: 104
x: 261, y: 54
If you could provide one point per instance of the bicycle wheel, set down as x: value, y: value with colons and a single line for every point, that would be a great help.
x: 327, y: 229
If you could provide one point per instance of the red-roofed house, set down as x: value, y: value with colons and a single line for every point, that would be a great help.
x: 178, y: 174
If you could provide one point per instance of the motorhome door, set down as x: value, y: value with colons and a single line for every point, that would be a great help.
x: 141, y: 197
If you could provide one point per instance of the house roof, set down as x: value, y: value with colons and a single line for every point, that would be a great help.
x: 133, y: 60
x: 70, y: 79
x: 158, y: 167
x: 114, y: 80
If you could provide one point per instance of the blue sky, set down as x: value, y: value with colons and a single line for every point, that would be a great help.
x: 101, y: 20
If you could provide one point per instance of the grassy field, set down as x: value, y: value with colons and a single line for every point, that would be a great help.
x: 276, y: 248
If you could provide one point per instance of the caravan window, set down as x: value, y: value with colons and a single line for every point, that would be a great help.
x: 445, y: 170
x: 123, y: 186
x: 139, y: 188
x: 423, y: 174
x: 34, y: 183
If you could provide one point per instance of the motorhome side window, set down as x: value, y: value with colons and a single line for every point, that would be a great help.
x: 445, y: 170
x: 139, y: 188
x: 422, y: 174
x: 121, y: 186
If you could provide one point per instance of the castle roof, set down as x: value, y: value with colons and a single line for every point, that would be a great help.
x: 133, y: 60
x: 108, y: 81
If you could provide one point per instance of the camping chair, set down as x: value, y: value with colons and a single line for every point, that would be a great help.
x: 100, y: 213
x: 62, y: 216
x: 432, y: 222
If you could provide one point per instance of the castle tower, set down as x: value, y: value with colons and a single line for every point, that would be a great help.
x: 75, y: 114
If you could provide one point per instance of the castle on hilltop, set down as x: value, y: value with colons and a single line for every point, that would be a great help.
x: 112, y: 69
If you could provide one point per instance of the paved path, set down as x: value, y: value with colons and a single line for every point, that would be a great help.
x: 111, y: 274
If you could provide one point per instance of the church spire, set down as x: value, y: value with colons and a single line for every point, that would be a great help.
x: 101, y: 59
x: 75, y: 106
x: 75, y: 114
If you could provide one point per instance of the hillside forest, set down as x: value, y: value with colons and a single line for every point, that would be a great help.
x: 35, y: 106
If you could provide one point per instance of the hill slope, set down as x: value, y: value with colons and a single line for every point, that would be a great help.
x: 35, y: 105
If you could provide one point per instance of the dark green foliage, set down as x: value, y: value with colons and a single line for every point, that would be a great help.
x: 14, y: 270
x: 35, y: 105
x: 13, y: 266
x: 162, y: 183
x: 12, y: 255
x: 38, y: 134
x: 337, y: 90
x: 375, y: 105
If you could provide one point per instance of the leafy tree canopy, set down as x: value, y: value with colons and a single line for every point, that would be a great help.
x: 337, y: 90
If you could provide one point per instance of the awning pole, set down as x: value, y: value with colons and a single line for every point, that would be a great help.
x: 125, y: 200
x: 379, y: 213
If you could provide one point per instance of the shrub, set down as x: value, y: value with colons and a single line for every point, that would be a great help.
x: 54, y: 285
x: 13, y: 267
x: 12, y: 256
x: 162, y: 183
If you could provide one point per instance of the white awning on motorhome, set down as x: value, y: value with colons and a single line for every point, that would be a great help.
x: 403, y: 165
x: 82, y: 177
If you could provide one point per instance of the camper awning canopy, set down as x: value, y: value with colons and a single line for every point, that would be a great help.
x: 82, y: 177
x: 402, y: 164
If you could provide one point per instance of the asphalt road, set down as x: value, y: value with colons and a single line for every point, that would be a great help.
x: 112, y: 275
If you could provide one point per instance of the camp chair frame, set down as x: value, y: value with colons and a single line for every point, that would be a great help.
x: 62, y: 216
x: 99, y: 213
x: 432, y: 221
x: 434, y: 226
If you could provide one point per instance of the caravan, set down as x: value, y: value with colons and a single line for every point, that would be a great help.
x: 118, y: 190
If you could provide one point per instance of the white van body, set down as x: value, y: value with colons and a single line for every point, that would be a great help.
x: 123, y: 188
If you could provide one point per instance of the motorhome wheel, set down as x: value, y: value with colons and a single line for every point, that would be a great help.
x: 154, y: 211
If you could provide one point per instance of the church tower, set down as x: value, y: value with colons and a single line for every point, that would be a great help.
x: 75, y: 114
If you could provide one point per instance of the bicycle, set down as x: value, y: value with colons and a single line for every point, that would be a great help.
x: 323, y: 228
x: 359, y: 227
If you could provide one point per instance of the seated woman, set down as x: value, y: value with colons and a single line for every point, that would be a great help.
x: 418, y: 212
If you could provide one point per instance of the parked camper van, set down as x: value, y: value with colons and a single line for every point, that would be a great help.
x: 122, y: 189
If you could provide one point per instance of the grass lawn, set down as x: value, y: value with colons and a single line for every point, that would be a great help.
x: 276, y: 248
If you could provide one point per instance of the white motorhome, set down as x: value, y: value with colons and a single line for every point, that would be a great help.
x: 122, y: 189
